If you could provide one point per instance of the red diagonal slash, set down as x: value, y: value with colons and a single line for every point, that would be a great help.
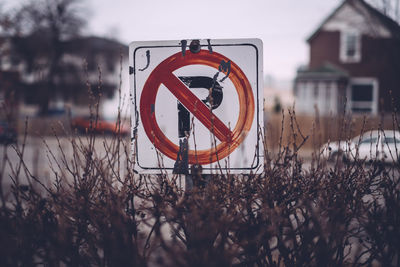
x: 196, y: 107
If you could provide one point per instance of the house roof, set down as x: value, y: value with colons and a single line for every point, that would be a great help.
x: 325, y: 71
x: 392, y: 26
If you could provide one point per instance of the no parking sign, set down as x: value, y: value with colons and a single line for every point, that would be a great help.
x: 209, y: 91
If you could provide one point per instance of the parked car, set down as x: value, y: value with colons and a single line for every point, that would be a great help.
x: 55, y: 112
x: 8, y: 135
x: 84, y: 124
x: 372, y: 145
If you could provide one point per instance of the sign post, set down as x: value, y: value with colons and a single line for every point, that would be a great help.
x: 197, y: 105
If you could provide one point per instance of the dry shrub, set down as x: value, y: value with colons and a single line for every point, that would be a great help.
x: 99, y: 212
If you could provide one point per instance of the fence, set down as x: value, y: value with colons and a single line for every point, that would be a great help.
x: 321, y: 129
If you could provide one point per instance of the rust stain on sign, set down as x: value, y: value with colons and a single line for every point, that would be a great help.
x: 209, y: 46
x: 148, y: 61
x: 183, y: 46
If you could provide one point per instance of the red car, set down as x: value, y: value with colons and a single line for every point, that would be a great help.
x: 86, y: 124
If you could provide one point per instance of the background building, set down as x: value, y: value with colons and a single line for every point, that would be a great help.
x: 354, y: 63
x: 88, y: 67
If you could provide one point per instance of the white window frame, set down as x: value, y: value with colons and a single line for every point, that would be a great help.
x: 343, y: 47
x: 364, y: 104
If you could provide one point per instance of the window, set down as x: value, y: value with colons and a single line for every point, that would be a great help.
x: 363, y: 95
x: 315, y: 92
x: 369, y: 141
x: 306, y: 90
x: 351, y: 43
x: 302, y: 90
x: 298, y: 89
x: 350, y: 47
x: 328, y: 91
x: 361, y: 92
x: 391, y: 140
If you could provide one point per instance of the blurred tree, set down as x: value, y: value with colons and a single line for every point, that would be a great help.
x: 38, y: 31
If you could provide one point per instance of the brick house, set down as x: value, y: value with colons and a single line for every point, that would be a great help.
x: 354, y: 63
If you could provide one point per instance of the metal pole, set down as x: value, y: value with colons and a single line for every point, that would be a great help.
x: 181, y: 165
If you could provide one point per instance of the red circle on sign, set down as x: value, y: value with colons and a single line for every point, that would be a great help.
x: 163, y: 74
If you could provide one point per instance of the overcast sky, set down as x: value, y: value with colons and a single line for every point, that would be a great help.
x: 283, y: 25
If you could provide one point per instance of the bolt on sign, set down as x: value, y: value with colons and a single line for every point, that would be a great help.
x: 209, y: 92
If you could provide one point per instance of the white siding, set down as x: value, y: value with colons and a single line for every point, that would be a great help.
x: 325, y: 100
x: 305, y: 101
x: 348, y: 19
x: 333, y: 99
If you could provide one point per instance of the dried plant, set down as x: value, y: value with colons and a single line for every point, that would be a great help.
x: 97, y: 211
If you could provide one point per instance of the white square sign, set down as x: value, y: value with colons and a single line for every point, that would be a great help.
x: 207, y: 91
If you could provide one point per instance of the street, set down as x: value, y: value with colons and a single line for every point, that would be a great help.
x: 44, y: 157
